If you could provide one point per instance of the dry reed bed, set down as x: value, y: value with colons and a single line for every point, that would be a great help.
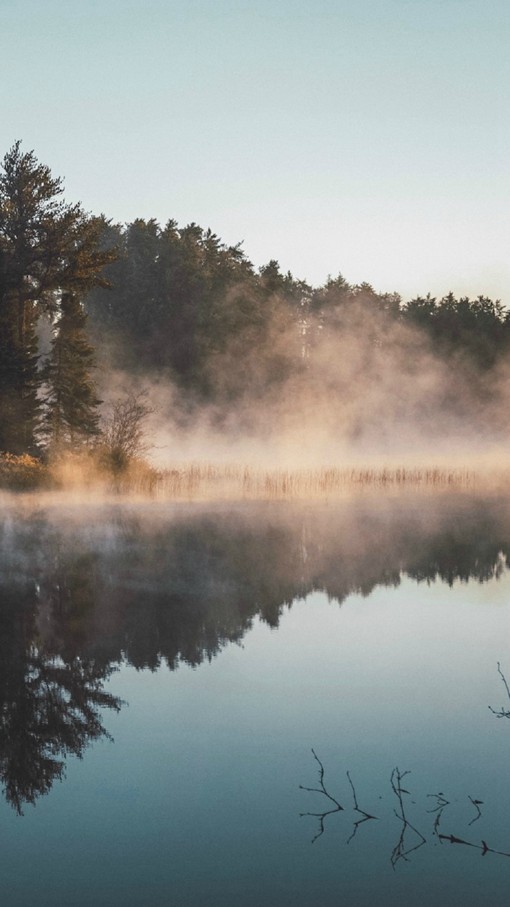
x: 207, y: 480
x: 199, y: 481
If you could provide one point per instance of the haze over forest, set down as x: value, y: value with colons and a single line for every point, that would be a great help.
x: 223, y: 359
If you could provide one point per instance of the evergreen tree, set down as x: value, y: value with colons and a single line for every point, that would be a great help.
x: 19, y: 407
x: 71, y: 401
x: 47, y: 248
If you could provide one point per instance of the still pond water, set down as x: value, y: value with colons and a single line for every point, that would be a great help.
x: 255, y: 704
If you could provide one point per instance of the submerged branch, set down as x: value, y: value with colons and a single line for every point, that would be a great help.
x: 441, y: 804
x: 502, y: 713
x: 405, y: 845
x: 321, y: 790
x: 483, y: 847
x: 476, y: 804
x: 366, y: 816
x: 400, y: 851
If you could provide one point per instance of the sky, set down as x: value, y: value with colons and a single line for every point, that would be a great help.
x: 363, y: 137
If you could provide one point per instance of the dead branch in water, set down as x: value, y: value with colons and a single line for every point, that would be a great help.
x: 403, y: 848
x: 366, y: 816
x: 321, y: 790
x: 476, y: 804
x: 401, y: 851
x: 441, y: 804
x: 483, y: 847
x: 502, y: 713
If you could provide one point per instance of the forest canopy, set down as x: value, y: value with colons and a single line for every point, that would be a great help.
x: 178, y: 305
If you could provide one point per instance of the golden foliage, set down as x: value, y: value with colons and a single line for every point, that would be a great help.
x: 22, y: 473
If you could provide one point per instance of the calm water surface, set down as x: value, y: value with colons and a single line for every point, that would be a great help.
x: 255, y: 705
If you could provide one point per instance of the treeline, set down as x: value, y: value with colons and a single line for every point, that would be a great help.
x: 180, y: 305
x: 183, y: 303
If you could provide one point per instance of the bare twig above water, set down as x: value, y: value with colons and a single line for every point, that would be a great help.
x: 401, y: 851
x: 438, y: 809
x: 502, y: 713
x: 321, y: 790
x: 504, y: 680
x: 357, y: 809
x: 483, y: 847
x: 476, y: 804
x: 442, y: 803
x: 410, y: 838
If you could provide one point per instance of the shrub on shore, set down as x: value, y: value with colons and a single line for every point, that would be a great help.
x: 22, y: 473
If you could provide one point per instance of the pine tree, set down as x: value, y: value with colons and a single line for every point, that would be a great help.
x: 47, y: 248
x: 19, y: 406
x: 71, y: 403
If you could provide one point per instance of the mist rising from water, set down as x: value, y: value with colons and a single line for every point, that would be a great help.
x: 374, y: 393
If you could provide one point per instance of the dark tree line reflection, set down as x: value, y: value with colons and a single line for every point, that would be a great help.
x: 49, y: 706
x: 83, y: 590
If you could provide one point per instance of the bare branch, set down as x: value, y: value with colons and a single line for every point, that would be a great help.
x: 321, y: 790
x: 476, y: 804
x: 123, y: 433
x: 357, y: 809
x: 401, y: 851
x: 483, y: 847
x: 441, y: 804
x: 502, y: 713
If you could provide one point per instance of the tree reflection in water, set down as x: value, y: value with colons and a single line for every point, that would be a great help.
x: 49, y: 708
x: 84, y: 591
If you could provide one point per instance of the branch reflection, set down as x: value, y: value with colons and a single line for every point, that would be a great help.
x: 404, y: 848
x: 502, y: 712
x: 410, y: 838
x: 321, y: 790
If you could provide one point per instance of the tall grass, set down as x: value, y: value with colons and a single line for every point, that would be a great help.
x: 210, y: 481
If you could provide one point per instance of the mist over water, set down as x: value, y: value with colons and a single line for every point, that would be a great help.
x: 201, y: 554
x: 278, y: 654
x: 373, y: 391
x: 217, y: 644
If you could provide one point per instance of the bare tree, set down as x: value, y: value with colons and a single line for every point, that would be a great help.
x: 123, y: 434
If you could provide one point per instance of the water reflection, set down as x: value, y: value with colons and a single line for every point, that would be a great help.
x: 410, y: 838
x: 82, y: 591
x: 49, y: 706
x: 337, y: 807
x: 148, y: 586
x: 502, y: 712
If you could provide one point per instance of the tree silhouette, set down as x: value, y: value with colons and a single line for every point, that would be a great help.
x: 70, y: 403
x: 47, y: 248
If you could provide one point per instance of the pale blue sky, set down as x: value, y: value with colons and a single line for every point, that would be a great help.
x: 368, y: 138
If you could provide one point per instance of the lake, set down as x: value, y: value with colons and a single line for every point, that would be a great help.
x: 255, y: 704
